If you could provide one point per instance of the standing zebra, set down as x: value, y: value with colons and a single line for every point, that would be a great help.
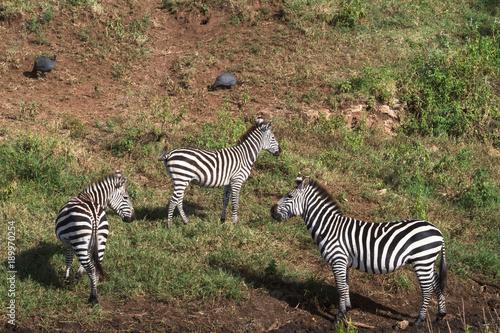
x: 228, y: 167
x: 81, y: 224
x: 375, y: 248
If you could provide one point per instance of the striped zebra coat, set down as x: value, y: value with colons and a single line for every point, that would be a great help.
x: 375, y: 248
x: 228, y: 167
x: 82, y: 226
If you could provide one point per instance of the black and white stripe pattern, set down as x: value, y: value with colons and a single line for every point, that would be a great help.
x: 376, y: 248
x: 82, y: 226
x: 228, y: 167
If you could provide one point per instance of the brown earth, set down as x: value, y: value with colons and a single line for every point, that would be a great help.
x: 84, y: 86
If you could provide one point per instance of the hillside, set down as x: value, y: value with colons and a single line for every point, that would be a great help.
x: 394, y: 107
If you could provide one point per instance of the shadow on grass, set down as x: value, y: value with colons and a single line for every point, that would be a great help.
x: 160, y: 213
x: 311, y: 295
x: 35, y: 264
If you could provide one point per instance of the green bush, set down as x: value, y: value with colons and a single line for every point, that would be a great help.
x: 453, y: 91
x: 480, y: 193
x: 221, y: 134
x: 36, y: 162
x: 351, y: 14
x: 380, y: 82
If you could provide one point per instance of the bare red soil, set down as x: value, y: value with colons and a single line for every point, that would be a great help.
x: 84, y: 86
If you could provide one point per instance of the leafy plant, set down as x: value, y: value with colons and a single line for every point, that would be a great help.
x: 221, y: 134
x: 27, y: 110
x: 480, y: 193
x: 450, y: 92
x: 351, y: 14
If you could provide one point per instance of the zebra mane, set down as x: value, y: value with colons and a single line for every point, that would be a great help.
x: 249, y: 131
x: 106, y: 179
x: 324, y: 193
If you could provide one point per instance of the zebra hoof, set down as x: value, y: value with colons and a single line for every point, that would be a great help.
x: 93, y: 300
x: 417, y: 322
x: 440, y: 317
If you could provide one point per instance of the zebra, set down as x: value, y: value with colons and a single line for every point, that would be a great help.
x: 375, y: 248
x: 82, y: 226
x: 228, y: 167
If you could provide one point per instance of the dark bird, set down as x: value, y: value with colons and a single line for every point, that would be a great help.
x: 44, y: 64
x: 224, y: 80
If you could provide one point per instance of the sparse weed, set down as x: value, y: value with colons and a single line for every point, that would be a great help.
x: 77, y: 129
x: 162, y: 110
x: 173, y: 5
x: 118, y: 70
x: 35, y: 24
x: 185, y: 68
x: 27, y: 110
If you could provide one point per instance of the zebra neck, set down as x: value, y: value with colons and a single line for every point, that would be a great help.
x: 252, y: 145
x: 87, y: 198
x: 97, y: 193
x: 319, y: 205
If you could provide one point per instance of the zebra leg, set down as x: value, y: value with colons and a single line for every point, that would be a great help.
x: 348, y: 299
x: 225, y: 201
x: 235, y: 198
x: 440, y: 296
x: 69, y: 260
x: 426, y: 281
x: 339, y: 272
x: 93, y: 282
x: 176, y: 201
x: 79, y: 273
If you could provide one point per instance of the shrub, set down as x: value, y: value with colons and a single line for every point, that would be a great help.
x: 480, y: 193
x: 453, y: 91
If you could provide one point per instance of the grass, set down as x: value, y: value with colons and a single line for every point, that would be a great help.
x: 439, y: 58
x: 205, y: 260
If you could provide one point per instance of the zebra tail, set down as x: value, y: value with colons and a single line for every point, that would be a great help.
x: 442, y: 270
x: 95, y: 254
x: 164, y: 153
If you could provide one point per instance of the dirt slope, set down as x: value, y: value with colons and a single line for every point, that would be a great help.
x: 83, y: 85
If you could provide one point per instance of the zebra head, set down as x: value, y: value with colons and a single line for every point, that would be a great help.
x: 292, y: 204
x: 119, y: 200
x: 269, y: 142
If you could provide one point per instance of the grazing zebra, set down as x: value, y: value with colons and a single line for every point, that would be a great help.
x: 228, y: 167
x: 81, y: 224
x: 375, y: 248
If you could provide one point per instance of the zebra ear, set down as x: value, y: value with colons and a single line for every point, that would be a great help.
x: 298, y: 181
x: 304, y: 184
x: 260, y: 120
x: 266, y: 127
x: 121, y: 183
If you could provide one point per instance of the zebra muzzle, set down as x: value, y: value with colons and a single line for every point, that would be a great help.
x: 275, y: 214
x: 130, y: 218
x: 278, y: 152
